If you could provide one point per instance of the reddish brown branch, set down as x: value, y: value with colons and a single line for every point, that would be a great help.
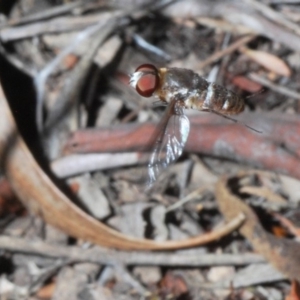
x: 227, y: 140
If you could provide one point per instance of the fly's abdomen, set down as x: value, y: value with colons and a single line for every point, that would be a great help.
x: 218, y: 98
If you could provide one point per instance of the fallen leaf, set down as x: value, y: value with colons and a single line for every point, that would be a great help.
x: 172, y: 284
x: 279, y: 231
x: 148, y: 274
x: 288, y: 224
x: 255, y: 274
x: 70, y: 61
x: 246, y: 84
x: 295, y: 291
x: 220, y: 273
x: 46, y: 292
x: 8, y: 200
x: 268, y: 60
x: 90, y: 195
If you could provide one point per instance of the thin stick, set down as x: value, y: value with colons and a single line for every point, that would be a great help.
x: 15, y: 61
x: 45, y: 14
x: 111, y: 257
x: 275, y: 87
x: 232, y: 47
x: 273, y: 15
x: 193, y: 195
x: 71, y: 165
x: 55, y: 25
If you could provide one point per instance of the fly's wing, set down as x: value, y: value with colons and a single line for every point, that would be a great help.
x: 170, y: 142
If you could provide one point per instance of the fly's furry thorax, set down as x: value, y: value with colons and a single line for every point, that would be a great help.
x: 169, y: 89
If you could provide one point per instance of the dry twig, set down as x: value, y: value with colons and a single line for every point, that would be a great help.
x: 111, y: 257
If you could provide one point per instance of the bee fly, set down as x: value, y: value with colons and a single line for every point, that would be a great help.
x: 180, y: 89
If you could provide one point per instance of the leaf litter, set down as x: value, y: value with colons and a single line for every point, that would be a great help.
x: 80, y: 69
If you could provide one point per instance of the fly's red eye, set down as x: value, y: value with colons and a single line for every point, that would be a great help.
x: 148, y: 82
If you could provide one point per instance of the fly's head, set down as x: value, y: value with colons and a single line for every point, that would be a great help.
x: 149, y: 81
x: 162, y: 83
x: 145, y: 80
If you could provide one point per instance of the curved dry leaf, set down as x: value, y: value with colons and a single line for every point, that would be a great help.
x: 42, y: 197
x: 268, y: 61
x: 283, y: 254
x: 263, y: 192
